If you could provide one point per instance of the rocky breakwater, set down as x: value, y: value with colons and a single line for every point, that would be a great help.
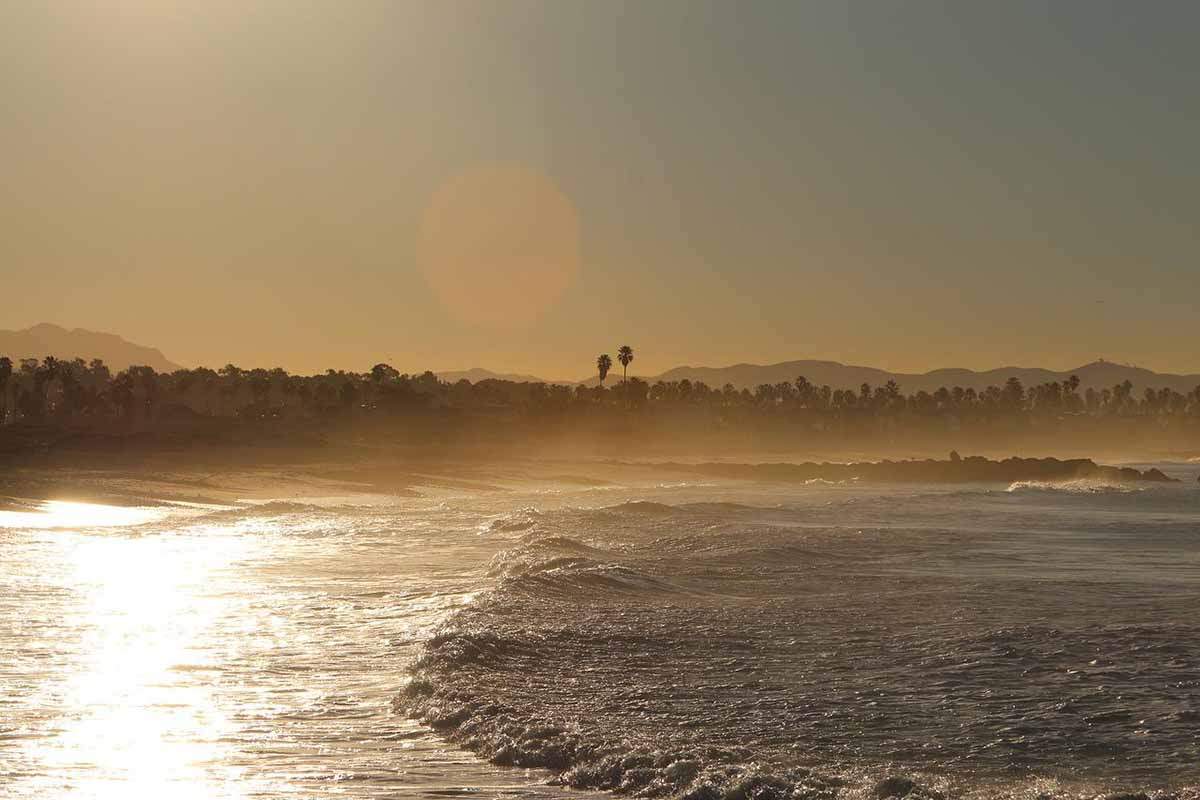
x: 972, y: 469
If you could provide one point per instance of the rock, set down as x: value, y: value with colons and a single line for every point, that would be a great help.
x: 974, y: 469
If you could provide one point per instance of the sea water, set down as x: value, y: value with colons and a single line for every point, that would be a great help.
x: 702, y: 638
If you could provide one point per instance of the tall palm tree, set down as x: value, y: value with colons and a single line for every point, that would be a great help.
x: 625, y: 356
x: 603, y: 365
x: 6, y: 371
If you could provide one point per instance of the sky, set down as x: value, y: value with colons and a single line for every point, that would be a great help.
x: 523, y: 185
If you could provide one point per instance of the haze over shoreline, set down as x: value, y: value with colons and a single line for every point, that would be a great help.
x: 48, y: 339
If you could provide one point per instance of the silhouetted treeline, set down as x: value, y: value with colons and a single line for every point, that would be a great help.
x: 83, y: 394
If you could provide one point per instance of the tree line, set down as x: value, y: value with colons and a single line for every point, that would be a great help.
x: 40, y: 391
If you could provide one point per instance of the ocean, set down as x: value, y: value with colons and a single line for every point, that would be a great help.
x: 656, y: 636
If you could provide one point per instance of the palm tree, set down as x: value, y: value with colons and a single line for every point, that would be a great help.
x: 803, y: 389
x: 603, y: 365
x: 42, y: 377
x: 146, y: 388
x: 381, y: 373
x: 6, y: 371
x: 625, y: 356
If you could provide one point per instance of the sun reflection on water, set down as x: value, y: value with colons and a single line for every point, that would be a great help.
x: 69, y: 514
x: 135, y: 690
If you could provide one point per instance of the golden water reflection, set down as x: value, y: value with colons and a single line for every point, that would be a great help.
x: 69, y: 514
x: 133, y: 689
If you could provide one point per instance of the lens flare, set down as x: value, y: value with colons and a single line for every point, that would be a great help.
x: 499, y: 244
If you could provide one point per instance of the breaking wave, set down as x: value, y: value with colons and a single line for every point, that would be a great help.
x: 704, y: 651
x: 1082, y: 486
x: 269, y: 509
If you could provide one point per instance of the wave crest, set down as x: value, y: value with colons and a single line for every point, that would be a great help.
x: 267, y: 510
x: 503, y: 736
x: 1080, y: 486
x: 523, y: 520
x: 559, y: 564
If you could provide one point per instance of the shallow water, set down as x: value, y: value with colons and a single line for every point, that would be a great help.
x: 980, y: 639
x: 188, y: 652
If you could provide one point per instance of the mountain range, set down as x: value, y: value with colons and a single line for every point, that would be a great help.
x: 46, y: 339
x: 477, y: 374
x: 53, y: 340
x: 1098, y: 375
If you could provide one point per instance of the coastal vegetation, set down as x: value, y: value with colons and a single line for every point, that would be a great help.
x: 603, y: 365
x: 43, y: 400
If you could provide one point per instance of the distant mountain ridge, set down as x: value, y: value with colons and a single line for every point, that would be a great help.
x: 477, y: 374
x: 45, y: 339
x: 1098, y: 375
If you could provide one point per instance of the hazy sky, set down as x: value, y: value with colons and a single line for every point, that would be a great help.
x: 906, y: 185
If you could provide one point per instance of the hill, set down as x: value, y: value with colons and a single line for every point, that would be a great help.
x: 477, y: 374
x: 52, y: 340
x: 46, y: 339
x: 1098, y: 375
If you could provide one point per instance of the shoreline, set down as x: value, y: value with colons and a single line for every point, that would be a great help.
x: 205, y: 482
x: 972, y: 469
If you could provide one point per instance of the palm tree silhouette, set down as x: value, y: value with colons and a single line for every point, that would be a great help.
x: 603, y: 364
x: 6, y: 372
x: 625, y: 356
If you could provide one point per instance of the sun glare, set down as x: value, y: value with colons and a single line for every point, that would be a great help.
x: 137, y: 722
x: 67, y: 514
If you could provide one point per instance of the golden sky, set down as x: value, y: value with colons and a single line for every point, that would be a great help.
x: 523, y: 185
